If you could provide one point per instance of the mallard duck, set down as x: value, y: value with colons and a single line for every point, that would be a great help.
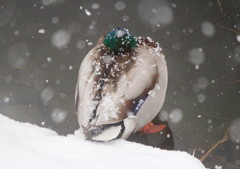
x: 121, y: 86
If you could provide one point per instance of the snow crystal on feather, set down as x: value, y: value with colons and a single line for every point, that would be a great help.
x: 108, y: 107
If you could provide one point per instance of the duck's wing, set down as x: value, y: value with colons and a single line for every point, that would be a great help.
x: 154, y: 101
x: 84, y: 93
x: 136, y: 90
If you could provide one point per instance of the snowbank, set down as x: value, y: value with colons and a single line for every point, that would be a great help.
x: 25, y: 146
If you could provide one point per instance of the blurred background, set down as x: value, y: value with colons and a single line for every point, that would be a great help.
x: 42, y: 44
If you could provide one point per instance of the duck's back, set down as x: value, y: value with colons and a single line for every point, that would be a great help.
x: 113, y: 87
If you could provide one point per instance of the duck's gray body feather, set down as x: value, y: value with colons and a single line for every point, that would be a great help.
x: 110, y: 88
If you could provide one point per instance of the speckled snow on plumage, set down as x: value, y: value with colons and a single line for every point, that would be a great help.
x: 109, y: 85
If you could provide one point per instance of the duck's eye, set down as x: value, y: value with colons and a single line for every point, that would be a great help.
x: 119, y: 40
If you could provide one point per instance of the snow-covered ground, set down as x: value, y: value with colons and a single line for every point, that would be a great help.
x: 25, y: 146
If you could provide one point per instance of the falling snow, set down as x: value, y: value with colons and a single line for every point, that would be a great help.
x: 18, y: 55
x: 157, y: 12
x: 42, y: 48
x: 49, y: 59
x: 6, y: 99
x: 207, y: 29
x: 176, y: 115
x: 237, y: 54
x: 238, y: 38
x: 95, y: 6
x: 47, y: 94
x: 235, y: 131
x: 60, y: 39
x: 48, y: 2
x: 88, y: 13
x: 55, y: 20
x: 41, y: 31
x: 197, y: 56
x: 58, y: 115
x: 120, y: 6
x: 81, y: 44
x: 201, y: 98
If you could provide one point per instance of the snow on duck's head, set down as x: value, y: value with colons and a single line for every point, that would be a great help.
x: 119, y: 40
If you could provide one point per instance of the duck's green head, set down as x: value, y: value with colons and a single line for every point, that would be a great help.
x: 119, y: 40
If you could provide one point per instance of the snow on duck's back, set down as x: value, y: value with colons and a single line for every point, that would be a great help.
x: 114, y: 76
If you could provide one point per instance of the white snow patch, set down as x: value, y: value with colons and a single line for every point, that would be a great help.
x: 26, y: 146
x: 108, y: 107
x: 119, y: 33
x: 41, y: 31
x: 218, y: 167
x: 88, y: 13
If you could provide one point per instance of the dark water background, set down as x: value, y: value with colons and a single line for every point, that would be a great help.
x: 42, y: 44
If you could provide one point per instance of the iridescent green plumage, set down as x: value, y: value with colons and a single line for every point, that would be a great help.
x: 119, y: 40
